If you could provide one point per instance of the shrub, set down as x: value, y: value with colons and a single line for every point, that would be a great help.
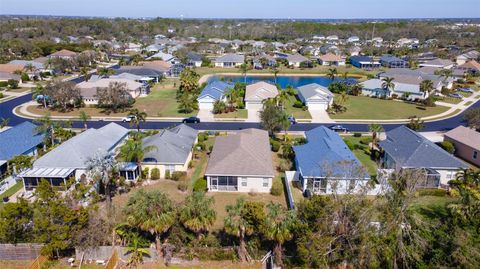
x: 430, y: 101
x: 366, y: 140
x: 284, y: 165
x: 167, y: 174
x: 24, y: 77
x: 178, y: 175
x: 200, y: 185
x: 155, y: 174
x: 182, y: 186
x: 210, y: 148
x: 1, y: 95
x: 275, y: 145
x: 3, y: 83
x: 200, y: 146
x: 448, y: 146
x: 350, y: 144
x: 202, y: 137
x: 432, y: 192
x: 190, y: 164
x: 145, y: 172
x: 277, y: 187
x: 298, y: 104
x: 13, y: 83
x: 357, y: 134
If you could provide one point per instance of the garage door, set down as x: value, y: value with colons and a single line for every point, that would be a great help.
x: 205, y: 105
x: 254, y: 106
x: 317, y: 106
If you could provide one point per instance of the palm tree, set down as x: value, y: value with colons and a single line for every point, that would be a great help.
x: 285, y: 122
x: 40, y: 90
x: 279, y: 226
x: 237, y: 225
x: 332, y: 73
x: 244, y: 69
x: 197, y: 213
x: 137, y: 118
x: 282, y: 97
x: 231, y: 98
x: 4, y: 122
x: 29, y: 68
x: 186, y: 103
x: 134, y: 151
x: 426, y: 87
x: 375, y: 129
x: 84, y: 73
x: 275, y: 72
x: 387, y: 84
x: 151, y: 212
x: 84, y: 117
x: 446, y: 74
x: 136, y: 59
x: 105, y: 72
x: 136, y: 252
x: 46, y: 126
x: 101, y: 167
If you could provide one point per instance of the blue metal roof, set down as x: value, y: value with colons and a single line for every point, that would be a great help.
x: 390, y: 58
x: 324, y: 155
x: 215, y: 90
x: 18, y: 140
x: 411, y: 150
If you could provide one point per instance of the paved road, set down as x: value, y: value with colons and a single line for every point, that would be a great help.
x: 441, y: 125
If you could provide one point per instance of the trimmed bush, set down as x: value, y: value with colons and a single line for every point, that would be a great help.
x: 145, y: 172
x: 275, y: 145
x: 432, y: 192
x: 200, y: 185
x: 1, y: 95
x: 155, y: 174
x: 366, y: 140
x: 277, y: 188
x: 178, y: 175
x: 202, y: 137
x: 3, y: 83
x: 350, y: 144
x: 357, y: 134
x: 298, y: 104
x: 448, y: 146
x: 200, y: 146
x: 167, y: 174
x: 182, y: 186
x: 24, y: 77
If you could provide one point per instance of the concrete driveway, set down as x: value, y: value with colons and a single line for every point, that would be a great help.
x: 320, y: 116
x: 205, y: 115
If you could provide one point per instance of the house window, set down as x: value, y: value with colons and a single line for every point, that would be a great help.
x: 265, y: 182
x: 475, y: 153
x: 244, y: 181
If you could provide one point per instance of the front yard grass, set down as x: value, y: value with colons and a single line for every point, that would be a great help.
x: 363, y: 107
x: 450, y: 100
x: 363, y: 157
x: 298, y: 113
x: 14, y: 189
x: 237, y: 114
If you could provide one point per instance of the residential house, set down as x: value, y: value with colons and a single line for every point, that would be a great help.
x: 296, y: 59
x: 263, y: 61
x: 229, y: 60
x: 70, y: 159
x: 438, y: 63
x: 133, y: 48
x: 88, y: 89
x: 142, y: 71
x: 257, y: 93
x: 22, y: 139
x: 391, y: 61
x: 353, y: 39
x: 241, y: 162
x: 364, y: 62
x: 194, y: 59
x: 63, y: 54
x: 169, y: 58
x: 329, y: 48
x: 472, y: 67
x: 468, y: 56
x: 37, y: 66
x: 331, y: 59
x: 354, y: 51
x: 214, y: 91
x: 332, y: 39
x: 326, y: 165
x: 315, y: 96
x: 409, y: 89
x: 154, y: 48
x: 407, y: 149
x: 172, y: 149
x: 466, y: 142
x: 11, y: 68
x: 6, y: 76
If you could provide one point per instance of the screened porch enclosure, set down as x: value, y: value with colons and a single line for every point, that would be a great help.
x: 223, y: 183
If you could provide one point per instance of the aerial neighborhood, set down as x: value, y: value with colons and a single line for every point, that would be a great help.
x: 200, y: 141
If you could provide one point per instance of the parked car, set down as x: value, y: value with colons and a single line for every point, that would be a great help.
x: 191, y: 120
x: 292, y: 119
x: 338, y: 128
x: 456, y: 95
x: 128, y: 118
x: 467, y: 90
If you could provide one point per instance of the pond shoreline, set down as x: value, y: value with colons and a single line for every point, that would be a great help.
x: 206, y: 77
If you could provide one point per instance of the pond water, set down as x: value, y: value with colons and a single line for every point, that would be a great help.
x: 283, y: 81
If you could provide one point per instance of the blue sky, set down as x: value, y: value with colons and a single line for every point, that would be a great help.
x: 315, y: 9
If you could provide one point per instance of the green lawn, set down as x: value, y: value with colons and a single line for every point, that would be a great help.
x: 161, y: 103
x: 468, y: 103
x: 432, y: 207
x: 18, y: 186
x: 363, y: 107
x: 298, y: 113
x: 239, y: 113
x: 364, y: 158
x: 450, y: 100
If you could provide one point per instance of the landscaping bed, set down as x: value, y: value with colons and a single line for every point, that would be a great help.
x: 237, y: 114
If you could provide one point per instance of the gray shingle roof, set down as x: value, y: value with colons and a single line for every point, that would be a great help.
x: 172, y: 146
x: 246, y: 153
x: 74, y: 152
x: 409, y: 149
x: 311, y: 90
x: 231, y: 58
